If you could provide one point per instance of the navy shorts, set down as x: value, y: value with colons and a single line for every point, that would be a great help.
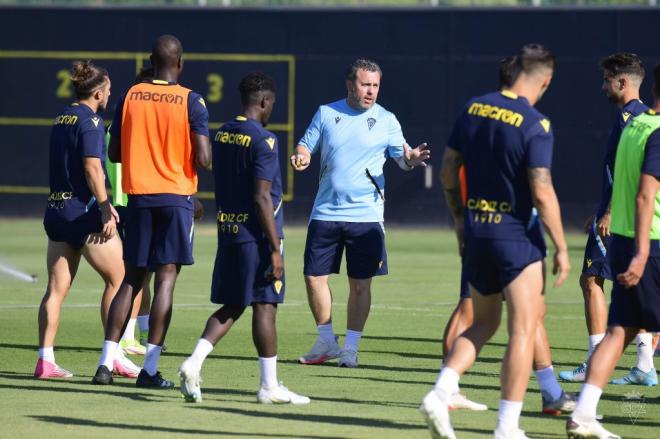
x: 639, y: 306
x: 465, y: 286
x: 365, y: 249
x: 239, y: 275
x: 158, y: 235
x: 491, y: 264
x: 595, y: 261
x: 122, y: 211
x: 74, y: 232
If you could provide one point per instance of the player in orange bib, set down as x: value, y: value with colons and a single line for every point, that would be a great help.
x: 160, y: 136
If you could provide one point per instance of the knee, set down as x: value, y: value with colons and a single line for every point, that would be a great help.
x: 168, y: 271
x: 263, y: 310
x: 360, y: 288
x: 313, y: 283
x: 588, y: 285
x: 55, y: 293
x: 524, y: 329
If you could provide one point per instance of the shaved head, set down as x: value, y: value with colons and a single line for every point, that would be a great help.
x: 166, y: 52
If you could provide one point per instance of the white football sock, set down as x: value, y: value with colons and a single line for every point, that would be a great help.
x: 447, y: 383
x: 202, y: 350
x: 508, y: 415
x: 268, y: 371
x: 143, y: 322
x: 129, y: 333
x: 587, y: 404
x: 108, y: 354
x: 548, y: 383
x: 352, y: 340
x: 594, y: 340
x: 151, y: 358
x: 47, y: 354
x: 326, y: 333
x: 644, y: 342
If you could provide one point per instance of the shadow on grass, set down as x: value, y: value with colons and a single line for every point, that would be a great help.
x: 64, y: 386
x: 607, y: 419
x: 436, y: 340
x: 34, y: 347
x: 220, y: 392
x: 316, y: 418
x: 364, y: 366
x: 161, y: 429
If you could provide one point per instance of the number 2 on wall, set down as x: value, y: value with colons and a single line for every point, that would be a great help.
x: 64, y: 90
x: 216, y: 82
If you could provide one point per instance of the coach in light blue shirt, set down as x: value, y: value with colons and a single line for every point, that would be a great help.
x: 354, y: 137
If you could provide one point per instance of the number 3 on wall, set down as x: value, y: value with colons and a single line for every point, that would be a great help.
x: 216, y: 82
x: 64, y: 90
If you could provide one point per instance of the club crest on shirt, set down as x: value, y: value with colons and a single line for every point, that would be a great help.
x: 278, y: 286
x: 371, y: 122
x: 589, y: 262
x: 95, y: 121
x: 337, y: 119
x: 271, y: 142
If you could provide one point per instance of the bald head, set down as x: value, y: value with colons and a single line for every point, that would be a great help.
x: 166, y: 52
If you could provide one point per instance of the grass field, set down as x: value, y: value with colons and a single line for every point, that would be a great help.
x: 399, y: 356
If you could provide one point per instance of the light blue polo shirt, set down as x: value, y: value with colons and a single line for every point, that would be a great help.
x: 350, y: 142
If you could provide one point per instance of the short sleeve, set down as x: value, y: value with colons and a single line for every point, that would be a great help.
x: 651, y: 165
x: 115, y: 127
x: 395, y: 139
x: 312, y: 134
x: 92, y: 138
x: 198, y: 115
x: 540, y: 142
x: 266, y: 161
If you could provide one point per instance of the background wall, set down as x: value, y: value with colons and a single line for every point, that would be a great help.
x: 433, y: 61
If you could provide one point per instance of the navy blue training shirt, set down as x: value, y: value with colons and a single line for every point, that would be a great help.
x: 77, y: 132
x: 243, y: 150
x: 501, y: 136
x: 625, y: 115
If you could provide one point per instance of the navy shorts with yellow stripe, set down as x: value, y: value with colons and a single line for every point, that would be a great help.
x: 365, y: 248
x: 74, y: 232
x: 158, y: 235
x: 639, y: 306
x: 595, y: 262
x: 491, y: 264
x: 239, y: 275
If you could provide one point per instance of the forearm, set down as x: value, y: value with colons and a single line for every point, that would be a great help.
x: 96, y: 182
x: 264, y: 208
x: 549, y: 212
x: 455, y: 203
x: 202, y: 151
x: 451, y: 184
x: 645, y: 206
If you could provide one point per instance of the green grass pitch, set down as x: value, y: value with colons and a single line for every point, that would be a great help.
x: 399, y: 355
